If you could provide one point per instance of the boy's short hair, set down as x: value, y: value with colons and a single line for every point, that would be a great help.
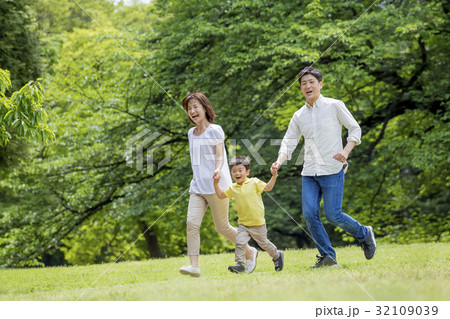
x: 308, y: 70
x: 238, y: 160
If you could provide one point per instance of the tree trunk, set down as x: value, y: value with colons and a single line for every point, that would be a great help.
x: 152, y: 241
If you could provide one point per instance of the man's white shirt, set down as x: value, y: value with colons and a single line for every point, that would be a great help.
x: 321, y: 127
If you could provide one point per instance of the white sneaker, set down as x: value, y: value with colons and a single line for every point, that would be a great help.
x: 250, y: 264
x: 191, y: 271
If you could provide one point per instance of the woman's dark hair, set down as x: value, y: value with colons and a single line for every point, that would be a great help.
x: 308, y: 70
x: 238, y: 160
x: 203, y: 100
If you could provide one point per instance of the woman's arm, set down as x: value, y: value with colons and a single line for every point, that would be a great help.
x: 219, y: 152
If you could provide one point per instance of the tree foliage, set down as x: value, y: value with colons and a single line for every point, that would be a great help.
x: 22, y: 112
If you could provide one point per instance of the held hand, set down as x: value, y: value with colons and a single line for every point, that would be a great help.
x: 274, y: 168
x: 341, y: 156
x: 274, y: 173
x: 216, y: 176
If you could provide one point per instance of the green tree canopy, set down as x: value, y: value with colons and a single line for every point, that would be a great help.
x: 19, y: 42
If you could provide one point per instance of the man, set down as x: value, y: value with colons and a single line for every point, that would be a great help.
x: 320, y: 122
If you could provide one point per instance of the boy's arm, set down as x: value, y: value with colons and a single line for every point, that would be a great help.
x: 219, y: 192
x: 271, y: 183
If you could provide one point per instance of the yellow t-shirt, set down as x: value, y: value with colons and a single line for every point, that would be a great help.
x: 248, y: 201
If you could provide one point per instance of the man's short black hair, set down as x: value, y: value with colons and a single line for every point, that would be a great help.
x: 238, y: 160
x: 308, y: 70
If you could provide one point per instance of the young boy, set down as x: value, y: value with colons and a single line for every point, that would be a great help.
x: 250, y: 208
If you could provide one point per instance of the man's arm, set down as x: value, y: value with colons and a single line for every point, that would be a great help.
x: 289, y: 143
x: 354, y: 131
x: 342, y: 156
x: 280, y: 160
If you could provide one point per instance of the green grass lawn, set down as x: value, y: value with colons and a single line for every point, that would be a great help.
x: 398, y: 272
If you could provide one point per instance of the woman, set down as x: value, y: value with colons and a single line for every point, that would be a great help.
x: 208, y: 155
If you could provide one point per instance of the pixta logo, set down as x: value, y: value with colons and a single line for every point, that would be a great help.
x: 146, y: 142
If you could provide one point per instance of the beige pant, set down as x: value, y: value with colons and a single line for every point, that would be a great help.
x: 259, y: 234
x: 198, y: 203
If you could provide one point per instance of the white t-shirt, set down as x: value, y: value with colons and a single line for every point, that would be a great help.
x: 203, y: 160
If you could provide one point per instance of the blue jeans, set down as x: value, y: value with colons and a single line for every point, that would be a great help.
x: 331, y: 188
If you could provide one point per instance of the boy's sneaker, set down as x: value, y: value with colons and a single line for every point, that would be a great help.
x: 238, y: 268
x: 191, y: 271
x: 369, y: 245
x: 323, y: 261
x: 279, y: 262
x: 250, y: 264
